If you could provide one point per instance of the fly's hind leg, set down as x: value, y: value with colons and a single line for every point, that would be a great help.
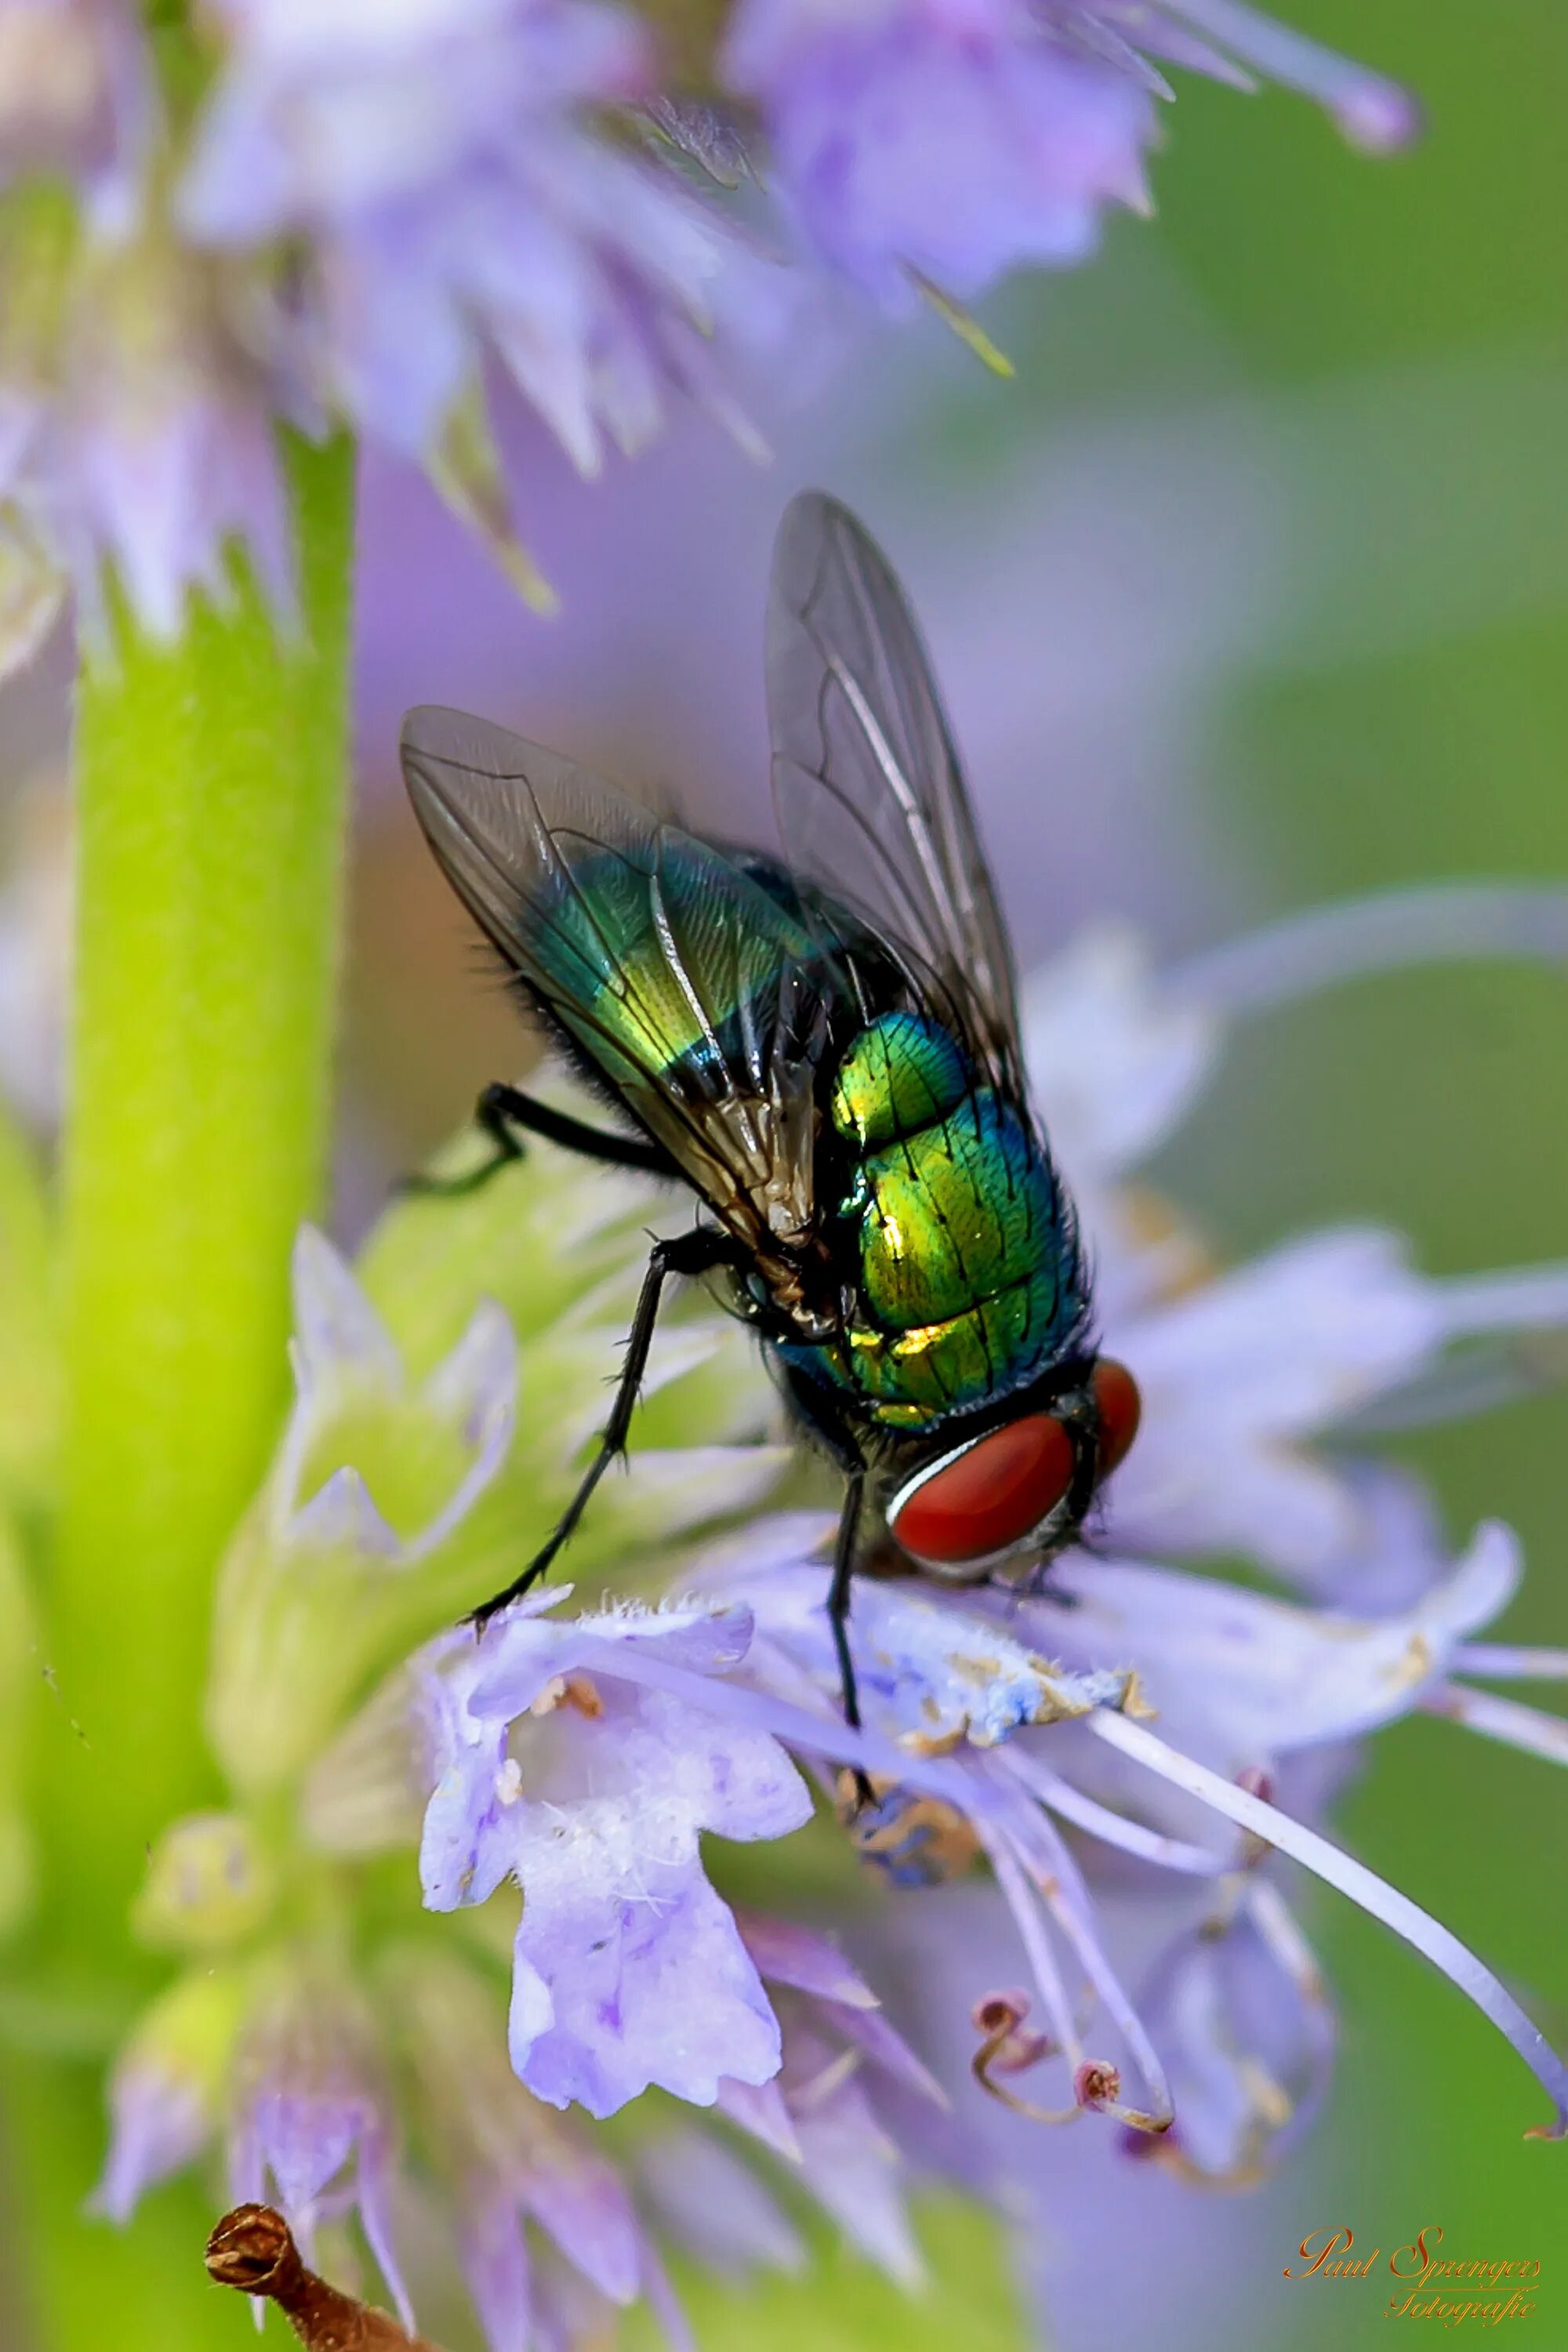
x: 688, y: 1253
x: 504, y: 1115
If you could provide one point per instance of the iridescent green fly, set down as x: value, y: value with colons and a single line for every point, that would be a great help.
x: 824, y: 1048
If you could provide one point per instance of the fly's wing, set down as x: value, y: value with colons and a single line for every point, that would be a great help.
x: 871, y: 802
x: 695, y: 996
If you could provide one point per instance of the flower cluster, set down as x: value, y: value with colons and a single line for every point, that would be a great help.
x: 370, y: 216
x: 581, y: 1782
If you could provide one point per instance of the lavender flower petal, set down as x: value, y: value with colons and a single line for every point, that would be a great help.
x: 717, y: 2208
x: 76, y: 95
x: 160, y: 2121
x: 1242, y: 1677
x: 456, y: 203
x: 312, y: 2102
x: 628, y: 1968
x: 946, y: 143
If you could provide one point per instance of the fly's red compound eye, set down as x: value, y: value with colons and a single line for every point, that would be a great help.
x: 1120, y: 1409
x: 989, y: 1496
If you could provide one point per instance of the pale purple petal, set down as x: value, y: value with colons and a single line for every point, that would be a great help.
x: 787, y: 1953
x: 1247, y: 2040
x: 338, y: 1334
x: 647, y: 1980
x: 496, y: 2265
x: 716, y: 2207
x: 850, y: 2165
x: 1241, y: 1677
x: 77, y: 95
x: 582, y: 2203
x: 1115, y: 1058
x: 760, y: 2108
x: 310, y: 2102
x: 1352, y: 938
x: 1236, y: 1372
x: 1505, y: 1719
x: 160, y: 2119
x: 928, y: 1676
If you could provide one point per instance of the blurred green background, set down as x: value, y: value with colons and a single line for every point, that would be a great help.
x: 1374, y: 357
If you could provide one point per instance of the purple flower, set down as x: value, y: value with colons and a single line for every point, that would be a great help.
x: 531, y: 2195
x: 1238, y: 2004
x: 559, y: 1764
x: 1078, y: 1906
x: 166, y: 2094
x: 312, y: 2125
x: 376, y: 1474
x: 77, y: 96
x: 824, y: 2110
x: 948, y: 140
x: 136, y: 426
x: 159, y: 2122
x: 455, y: 204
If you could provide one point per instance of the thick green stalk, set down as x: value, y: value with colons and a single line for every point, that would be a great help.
x: 211, y: 801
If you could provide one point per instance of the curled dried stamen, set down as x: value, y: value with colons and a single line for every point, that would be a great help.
x: 1012, y: 2045
x: 1098, y: 2084
x: 253, y: 2249
x: 1007, y: 2047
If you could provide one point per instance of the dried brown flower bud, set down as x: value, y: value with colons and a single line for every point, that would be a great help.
x: 253, y: 2249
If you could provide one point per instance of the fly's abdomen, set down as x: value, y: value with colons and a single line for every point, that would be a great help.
x: 968, y: 1277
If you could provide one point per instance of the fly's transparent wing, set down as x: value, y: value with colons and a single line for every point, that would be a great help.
x: 870, y: 798
x: 688, y: 988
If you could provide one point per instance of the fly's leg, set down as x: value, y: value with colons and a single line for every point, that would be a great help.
x: 501, y: 1111
x: 688, y: 1253
x: 839, y: 1594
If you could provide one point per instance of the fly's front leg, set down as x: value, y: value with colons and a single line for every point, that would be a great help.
x: 504, y: 1115
x: 840, y: 1593
x: 688, y: 1253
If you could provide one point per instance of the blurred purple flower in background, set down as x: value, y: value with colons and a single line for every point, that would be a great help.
x: 942, y: 143
x: 455, y: 204
x: 311, y: 2101
x: 379, y: 218
x: 76, y: 98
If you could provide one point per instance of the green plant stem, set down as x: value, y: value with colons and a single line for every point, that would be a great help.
x: 211, y: 804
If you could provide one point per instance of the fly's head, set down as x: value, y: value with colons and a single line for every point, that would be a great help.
x: 1014, y: 1494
